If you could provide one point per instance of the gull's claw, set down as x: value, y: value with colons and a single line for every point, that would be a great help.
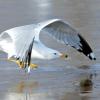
x: 18, y: 62
x: 22, y: 65
x: 33, y: 66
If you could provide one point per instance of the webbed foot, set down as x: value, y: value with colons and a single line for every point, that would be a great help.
x: 32, y: 66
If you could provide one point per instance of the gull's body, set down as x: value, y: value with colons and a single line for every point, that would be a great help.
x: 8, y: 45
x: 23, y: 42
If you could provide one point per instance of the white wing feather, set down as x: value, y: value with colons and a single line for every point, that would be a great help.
x: 21, y: 39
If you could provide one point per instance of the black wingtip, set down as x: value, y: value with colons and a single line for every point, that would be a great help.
x: 85, y: 48
x: 91, y: 56
x: 94, y: 58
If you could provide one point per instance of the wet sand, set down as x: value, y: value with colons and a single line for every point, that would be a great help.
x: 55, y: 79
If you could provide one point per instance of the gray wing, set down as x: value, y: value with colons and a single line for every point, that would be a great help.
x: 64, y: 33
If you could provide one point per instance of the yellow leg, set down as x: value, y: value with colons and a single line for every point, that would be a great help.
x: 33, y: 66
x: 11, y: 59
x: 21, y: 64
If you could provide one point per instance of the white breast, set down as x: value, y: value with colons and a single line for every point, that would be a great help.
x: 36, y: 55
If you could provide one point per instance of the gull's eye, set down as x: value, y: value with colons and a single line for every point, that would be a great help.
x: 55, y: 53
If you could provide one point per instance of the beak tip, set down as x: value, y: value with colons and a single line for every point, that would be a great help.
x: 64, y: 55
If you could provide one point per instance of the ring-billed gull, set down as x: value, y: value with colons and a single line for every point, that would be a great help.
x: 23, y: 43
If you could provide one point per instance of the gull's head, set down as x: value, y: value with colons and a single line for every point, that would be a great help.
x: 55, y: 54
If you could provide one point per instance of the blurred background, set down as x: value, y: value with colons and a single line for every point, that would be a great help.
x: 55, y: 79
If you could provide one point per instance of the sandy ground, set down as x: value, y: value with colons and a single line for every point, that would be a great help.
x: 56, y: 79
